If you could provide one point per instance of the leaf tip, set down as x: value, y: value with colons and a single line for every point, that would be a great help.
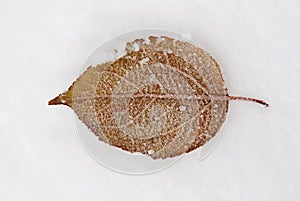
x: 55, y: 101
x: 60, y: 100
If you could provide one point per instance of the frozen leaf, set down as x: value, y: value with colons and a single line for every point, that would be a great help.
x: 163, y: 98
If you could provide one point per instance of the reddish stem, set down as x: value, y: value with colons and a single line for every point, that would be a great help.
x: 248, y: 99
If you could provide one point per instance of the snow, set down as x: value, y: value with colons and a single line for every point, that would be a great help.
x: 136, y: 47
x: 150, y: 152
x: 182, y: 108
x: 43, y: 47
x: 144, y: 61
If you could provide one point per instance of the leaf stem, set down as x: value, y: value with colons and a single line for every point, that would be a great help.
x: 248, y: 99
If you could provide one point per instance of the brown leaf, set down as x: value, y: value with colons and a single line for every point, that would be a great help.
x: 162, y: 98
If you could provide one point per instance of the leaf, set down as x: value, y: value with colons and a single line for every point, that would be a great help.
x: 162, y: 98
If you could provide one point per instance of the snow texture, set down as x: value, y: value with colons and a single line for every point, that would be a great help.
x: 44, y: 43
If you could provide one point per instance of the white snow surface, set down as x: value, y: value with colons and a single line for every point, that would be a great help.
x: 43, y: 47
